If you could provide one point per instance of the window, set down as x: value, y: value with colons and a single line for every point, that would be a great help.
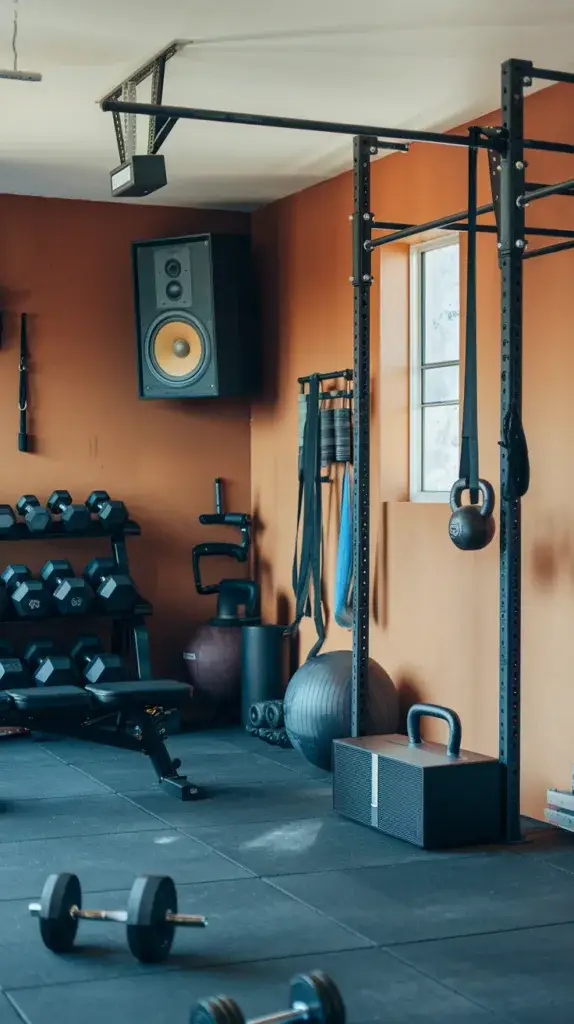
x: 434, y: 368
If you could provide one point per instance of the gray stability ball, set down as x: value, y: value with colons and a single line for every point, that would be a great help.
x: 317, y: 705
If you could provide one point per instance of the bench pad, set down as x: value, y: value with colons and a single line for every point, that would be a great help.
x: 140, y: 693
x: 35, y: 699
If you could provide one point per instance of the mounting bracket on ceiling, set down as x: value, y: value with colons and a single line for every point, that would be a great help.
x: 159, y: 125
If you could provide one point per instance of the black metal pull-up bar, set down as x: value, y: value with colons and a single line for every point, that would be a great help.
x: 545, y: 191
x: 379, y: 135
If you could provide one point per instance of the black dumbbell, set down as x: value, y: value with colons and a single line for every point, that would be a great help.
x: 93, y: 664
x: 36, y: 518
x: 112, y: 514
x: 115, y: 590
x: 75, y: 518
x: 315, y: 999
x: 13, y: 674
x: 30, y: 598
x: 7, y: 520
x: 151, y: 917
x: 48, y: 668
x: 71, y: 594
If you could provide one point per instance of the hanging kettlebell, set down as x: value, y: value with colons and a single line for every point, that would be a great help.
x: 471, y: 527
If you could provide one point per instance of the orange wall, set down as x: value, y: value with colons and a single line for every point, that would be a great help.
x: 67, y: 264
x: 435, y: 609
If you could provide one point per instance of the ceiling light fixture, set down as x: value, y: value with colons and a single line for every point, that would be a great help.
x: 14, y: 74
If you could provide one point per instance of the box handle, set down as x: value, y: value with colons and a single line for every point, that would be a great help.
x: 435, y: 711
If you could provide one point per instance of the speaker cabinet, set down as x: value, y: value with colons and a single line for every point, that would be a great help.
x: 195, y: 317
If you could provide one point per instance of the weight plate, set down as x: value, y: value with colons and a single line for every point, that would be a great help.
x: 218, y: 1010
x: 320, y: 995
x: 149, y: 935
x: 57, y: 927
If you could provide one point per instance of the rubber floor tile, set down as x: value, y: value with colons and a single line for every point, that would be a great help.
x: 460, y: 895
x: 73, y: 816
x: 44, y: 782
x: 525, y: 976
x: 237, y: 804
x: 209, y: 770
x: 319, y: 844
x: 373, y: 985
x: 109, y: 861
x: 192, y: 745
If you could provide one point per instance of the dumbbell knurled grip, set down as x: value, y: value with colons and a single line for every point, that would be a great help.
x: 121, y: 916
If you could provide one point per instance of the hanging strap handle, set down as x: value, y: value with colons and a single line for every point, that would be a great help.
x: 468, y: 470
x: 23, y: 387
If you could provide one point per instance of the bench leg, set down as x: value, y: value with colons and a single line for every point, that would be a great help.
x: 165, y: 768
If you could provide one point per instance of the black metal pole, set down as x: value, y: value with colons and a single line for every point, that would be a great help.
x: 489, y: 229
x: 297, y: 123
x: 547, y: 190
x: 511, y: 251
x: 551, y: 76
x: 440, y: 222
x: 334, y: 375
x: 532, y: 186
x: 547, y: 146
x: 363, y: 148
x: 545, y: 250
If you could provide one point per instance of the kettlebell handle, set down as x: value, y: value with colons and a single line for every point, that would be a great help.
x: 435, y: 711
x: 487, y: 492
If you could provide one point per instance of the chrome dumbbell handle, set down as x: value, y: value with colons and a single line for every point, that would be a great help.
x: 121, y: 916
x: 298, y: 1012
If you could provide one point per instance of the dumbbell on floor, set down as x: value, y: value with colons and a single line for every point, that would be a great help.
x: 48, y: 668
x: 30, y: 598
x: 151, y: 916
x: 13, y: 673
x: 93, y: 664
x: 111, y: 514
x: 72, y: 595
x: 36, y: 518
x: 75, y: 518
x: 314, y: 998
x: 115, y: 590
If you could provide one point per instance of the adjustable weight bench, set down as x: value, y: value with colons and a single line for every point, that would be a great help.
x: 115, y: 714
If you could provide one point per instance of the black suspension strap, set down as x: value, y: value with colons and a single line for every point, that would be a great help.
x: 23, y: 389
x: 468, y: 470
x: 307, y: 567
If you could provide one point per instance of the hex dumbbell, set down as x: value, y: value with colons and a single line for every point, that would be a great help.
x: 30, y: 598
x: 13, y: 674
x: 111, y: 514
x: 151, y: 916
x: 7, y: 520
x: 314, y: 997
x: 115, y: 590
x: 74, y: 518
x: 72, y: 595
x: 93, y: 664
x: 36, y: 518
x: 48, y: 668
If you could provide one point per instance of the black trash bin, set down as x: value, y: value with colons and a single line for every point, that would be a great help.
x: 264, y: 665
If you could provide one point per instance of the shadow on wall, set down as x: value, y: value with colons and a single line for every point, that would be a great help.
x: 552, y: 559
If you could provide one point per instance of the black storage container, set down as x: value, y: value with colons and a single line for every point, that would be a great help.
x: 264, y: 665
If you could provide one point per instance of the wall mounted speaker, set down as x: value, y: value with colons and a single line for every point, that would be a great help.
x: 195, y: 317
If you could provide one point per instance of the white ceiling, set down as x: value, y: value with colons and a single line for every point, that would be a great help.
x: 410, y: 64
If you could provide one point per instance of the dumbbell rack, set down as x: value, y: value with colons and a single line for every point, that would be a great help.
x: 130, y: 638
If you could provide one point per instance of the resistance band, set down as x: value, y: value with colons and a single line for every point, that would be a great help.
x: 468, y: 470
x: 344, y: 567
x: 306, y: 573
x: 23, y: 387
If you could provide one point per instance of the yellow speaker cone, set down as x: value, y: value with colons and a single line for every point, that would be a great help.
x: 177, y: 348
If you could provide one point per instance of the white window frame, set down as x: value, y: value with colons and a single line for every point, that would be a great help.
x: 415, y: 367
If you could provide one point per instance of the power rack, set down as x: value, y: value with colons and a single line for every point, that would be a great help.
x: 506, y: 147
